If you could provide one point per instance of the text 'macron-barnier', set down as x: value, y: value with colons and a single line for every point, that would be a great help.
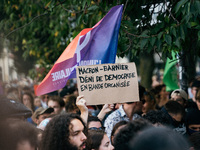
x: 65, y: 73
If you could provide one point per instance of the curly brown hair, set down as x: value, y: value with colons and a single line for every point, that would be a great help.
x: 57, y: 132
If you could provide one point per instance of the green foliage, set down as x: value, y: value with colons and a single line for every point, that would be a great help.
x: 44, y: 28
x: 179, y: 5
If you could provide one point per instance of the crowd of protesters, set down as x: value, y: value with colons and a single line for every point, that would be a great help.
x: 61, y: 120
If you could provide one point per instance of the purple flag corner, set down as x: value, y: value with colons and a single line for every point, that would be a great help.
x: 96, y: 45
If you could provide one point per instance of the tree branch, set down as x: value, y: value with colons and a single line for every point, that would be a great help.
x: 64, y: 7
x: 139, y: 35
x: 61, y: 3
x: 100, y: 7
x: 25, y: 24
x: 130, y: 43
x: 157, y: 53
x: 124, y: 9
x: 171, y: 14
x: 36, y: 17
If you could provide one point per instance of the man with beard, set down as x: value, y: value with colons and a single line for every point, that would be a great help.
x: 64, y: 132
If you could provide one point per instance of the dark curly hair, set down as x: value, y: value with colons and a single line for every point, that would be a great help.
x: 158, y: 117
x: 121, y: 140
x: 57, y: 132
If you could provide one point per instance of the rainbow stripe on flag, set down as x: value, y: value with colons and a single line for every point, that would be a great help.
x: 96, y: 45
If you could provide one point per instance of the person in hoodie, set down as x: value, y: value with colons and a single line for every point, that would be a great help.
x: 176, y: 113
x: 192, y: 121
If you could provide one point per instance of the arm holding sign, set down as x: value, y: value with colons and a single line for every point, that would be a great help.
x: 106, y: 109
x: 81, y: 104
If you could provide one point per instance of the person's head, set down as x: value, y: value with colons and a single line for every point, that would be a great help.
x: 75, y: 92
x: 13, y: 93
x: 158, y: 118
x: 37, y: 102
x: 160, y: 91
x: 40, y: 114
x: 158, y: 138
x: 65, y: 131
x: 28, y: 101
x: 136, y: 107
x: 44, y: 123
x: 197, y: 97
x: 194, y: 87
x: 192, y: 121
x: 142, y: 90
x: 149, y: 102
x: 98, y: 140
x: 163, y: 91
x: 175, y: 110
x: 117, y: 127
x: 26, y: 89
x: 45, y: 98
x: 195, y: 141
x: 94, y: 123
x: 155, y: 81
x: 56, y: 102
x: 18, y: 135
x: 70, y: 88
x: 180, y: 96
x: 122, y: 138
x: 13, y: 109
x: 70, y: 104
x: 117, y: 105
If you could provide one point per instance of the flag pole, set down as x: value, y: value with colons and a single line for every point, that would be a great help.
x: 183, y: 77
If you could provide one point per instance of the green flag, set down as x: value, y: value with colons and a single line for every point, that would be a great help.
x: 170, y: 77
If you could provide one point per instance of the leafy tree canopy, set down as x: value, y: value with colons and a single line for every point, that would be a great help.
x: 42, y: 29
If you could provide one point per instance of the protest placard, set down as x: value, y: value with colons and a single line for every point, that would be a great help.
x: 108, y: 83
